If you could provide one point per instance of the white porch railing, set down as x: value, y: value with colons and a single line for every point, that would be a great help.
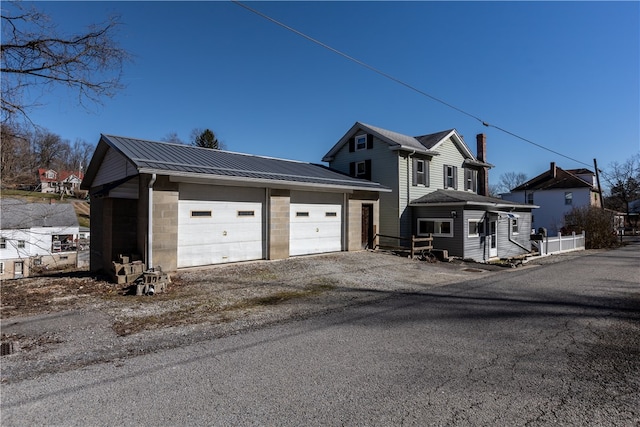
x: 560, y: 243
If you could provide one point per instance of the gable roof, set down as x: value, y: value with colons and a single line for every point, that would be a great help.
x: 60, y: 176
x: 465, y: 198
x: 179, y: 160
x: 555, y: 178
x: 425, y: 144
x: 17, y: 214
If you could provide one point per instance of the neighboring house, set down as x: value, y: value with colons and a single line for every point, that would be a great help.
x: 438, y: 186
x: 181, y: 206
x: 63, y: 182
x: 36, y: 235
x: 557, y: 191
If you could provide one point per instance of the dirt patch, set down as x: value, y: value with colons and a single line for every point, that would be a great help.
x: 63, y: 321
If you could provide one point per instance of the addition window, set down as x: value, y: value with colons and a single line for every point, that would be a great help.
x: 328, y: 214
x: 470, y: 180
x: 420, y: 172
x: 568, y: 198
x: 200, y: 214
x: 439, y: 227
x: 302, y: 214
x: 476, y: 228
x: 514, y: 226
x: 246, y: 213
x: 530, y: 198
x: 450, y: 177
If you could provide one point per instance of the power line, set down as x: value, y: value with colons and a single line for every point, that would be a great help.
x: 407, y: 85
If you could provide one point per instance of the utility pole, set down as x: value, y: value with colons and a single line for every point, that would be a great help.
x: 595, y: 165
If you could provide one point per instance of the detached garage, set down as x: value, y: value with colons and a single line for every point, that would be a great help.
x: 180, y: 206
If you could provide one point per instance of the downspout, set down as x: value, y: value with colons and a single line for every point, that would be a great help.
x: 150, y: 224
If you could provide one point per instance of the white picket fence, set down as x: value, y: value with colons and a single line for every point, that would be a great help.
x: 560, y: 243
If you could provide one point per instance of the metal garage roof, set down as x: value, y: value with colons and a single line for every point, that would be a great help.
x: 186, y: 160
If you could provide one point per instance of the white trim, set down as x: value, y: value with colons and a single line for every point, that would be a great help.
x: 355, y: 142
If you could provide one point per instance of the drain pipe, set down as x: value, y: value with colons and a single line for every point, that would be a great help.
x: 150, y: 224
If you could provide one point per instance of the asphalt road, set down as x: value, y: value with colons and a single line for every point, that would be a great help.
x: 552, y: 344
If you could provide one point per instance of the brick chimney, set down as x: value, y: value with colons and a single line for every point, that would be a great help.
x: 483, y: 173
x: 552, y: 170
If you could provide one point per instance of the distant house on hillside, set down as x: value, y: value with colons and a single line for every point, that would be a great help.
x: 63, y: 182
x: 557, y: 191
x: 36, y: 235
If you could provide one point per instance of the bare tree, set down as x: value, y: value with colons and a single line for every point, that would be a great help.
x: 34, y: 55
x: 17, y: 163
x: 172, y: 137
x: 508, y: 181
x: 624, y: 182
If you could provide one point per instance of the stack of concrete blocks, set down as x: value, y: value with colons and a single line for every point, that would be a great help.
x: 128, y: 269
x: 152, y: 282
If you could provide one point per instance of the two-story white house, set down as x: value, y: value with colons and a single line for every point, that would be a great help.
x: 439, y: 187
x: 36, y: 235
x: 557, y: 191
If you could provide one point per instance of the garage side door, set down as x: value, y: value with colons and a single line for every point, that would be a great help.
x: 315, y: 227
x: 219, y: 231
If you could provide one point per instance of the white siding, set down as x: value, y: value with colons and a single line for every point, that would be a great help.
x: 553, y: 209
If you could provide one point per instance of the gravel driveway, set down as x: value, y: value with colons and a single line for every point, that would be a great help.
x: 90, y: 322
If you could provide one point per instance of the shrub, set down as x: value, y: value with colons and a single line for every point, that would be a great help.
x: 597, y: 225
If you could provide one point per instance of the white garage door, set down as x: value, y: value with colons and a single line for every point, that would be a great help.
x: 219, y: 231
x: 315, y: 228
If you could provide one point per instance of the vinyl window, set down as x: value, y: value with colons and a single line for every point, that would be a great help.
x: 450, y: 177
x: 476, y: 228
x: 439, y: 227
x: 21, y: 244
x: 420, y: 172
x: 568, y: 198
x: 361, y: 142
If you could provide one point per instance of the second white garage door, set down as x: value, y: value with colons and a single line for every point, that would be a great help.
x: 315, y: 227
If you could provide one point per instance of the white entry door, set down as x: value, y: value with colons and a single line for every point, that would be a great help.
x: 493, y: 238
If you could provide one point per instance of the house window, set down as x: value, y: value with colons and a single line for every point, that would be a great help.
x: 3, y: 243
x: 360, y: 169
x: 420, y: 172
x: 476, y: 227
x: 200, y: 214
x: 51, y: 174
x: 21, y: 244
x: 439, y: 227
x: 514, y: 225
x: 568, y: 198
x: 246, y: 213
x: 361, y: 142
x: 470, y: 180
x: 1, y: 267
x: 530, y: 198
x: 450, y: 177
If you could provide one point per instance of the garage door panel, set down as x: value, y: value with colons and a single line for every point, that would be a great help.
x: 312, y: 230
x: 221, y: 231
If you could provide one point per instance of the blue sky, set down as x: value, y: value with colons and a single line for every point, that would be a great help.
x: 564, y: 75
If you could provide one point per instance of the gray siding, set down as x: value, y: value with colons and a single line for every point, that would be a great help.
x: 452, y: 244
x: 474, y: 247
x: 114, y: 167
x: 384, y: 170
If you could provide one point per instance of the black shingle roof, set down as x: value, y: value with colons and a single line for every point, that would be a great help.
x: 453, y: 197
